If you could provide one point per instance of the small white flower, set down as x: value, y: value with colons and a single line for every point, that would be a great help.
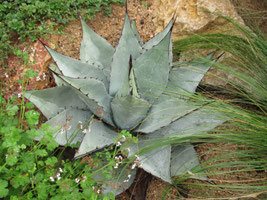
x: 116, y: 166
x: 7, y: 155
x: 20, y: 87
x: 120, y: 159
x: 60, y: 170
x: 33, y: 50
x: 44, y: 75
x: 52, y: 179
x: 137, y: 157
x: 77, y: 180
x: 123, y: 138
x: 98, y: 191
x: 58, y: 176
x: 62, y: 131
x: 118, y: 144
x: 80, y: 124
x: 6, y: 75
x: 93, y: 187
x: 84, y: 178
x: 19, y: 95
x: 134, y: 165
x: 190, y: 173
x: 128, y: 178
x: 84, y: 131
x: 38, y: 78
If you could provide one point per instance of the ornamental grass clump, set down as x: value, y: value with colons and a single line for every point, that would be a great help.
x: 127, y: 88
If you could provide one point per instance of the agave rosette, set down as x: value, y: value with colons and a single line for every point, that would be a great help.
x: 127, y: 88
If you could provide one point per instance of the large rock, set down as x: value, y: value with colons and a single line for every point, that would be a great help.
x: 194, y: 16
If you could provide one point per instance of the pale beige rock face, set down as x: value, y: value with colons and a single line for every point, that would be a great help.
x: 193, y: 16
x: 196, y: 17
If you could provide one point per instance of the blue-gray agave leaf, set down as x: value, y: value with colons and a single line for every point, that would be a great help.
x: 185, y: 76
x: 128, y: 111
x: 51, y: 101
x: 55, y: 70
x: 184, y: 160
x: 127, y: 107
x: 129, y: 88
x: 94, y: 94
x: 68, y: 121
x: 97, y: 136
x: 76, y: 69
x: 183, y: 79
x: 155, y: 40
x: 128, y: 46
x: 164, y: 162
x: 95, y: 50
x: 136, y: 33
x: 196, y: 122
x: 152, y: 70
x: 164, y: 111
x: 155, y: 161
x: 122, y: 180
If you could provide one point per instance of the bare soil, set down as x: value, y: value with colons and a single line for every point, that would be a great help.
x: 253, y: 12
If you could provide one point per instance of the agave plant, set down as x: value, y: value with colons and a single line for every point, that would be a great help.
x: 127, y: 88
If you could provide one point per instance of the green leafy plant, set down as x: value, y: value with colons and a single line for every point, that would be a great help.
x: 31, y: 169
x: 145, y: 4
x: 22, y: 19
x: 128, y: 88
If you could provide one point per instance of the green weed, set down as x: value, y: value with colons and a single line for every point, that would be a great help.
x: 42, y: 169
x: 24, y: 19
